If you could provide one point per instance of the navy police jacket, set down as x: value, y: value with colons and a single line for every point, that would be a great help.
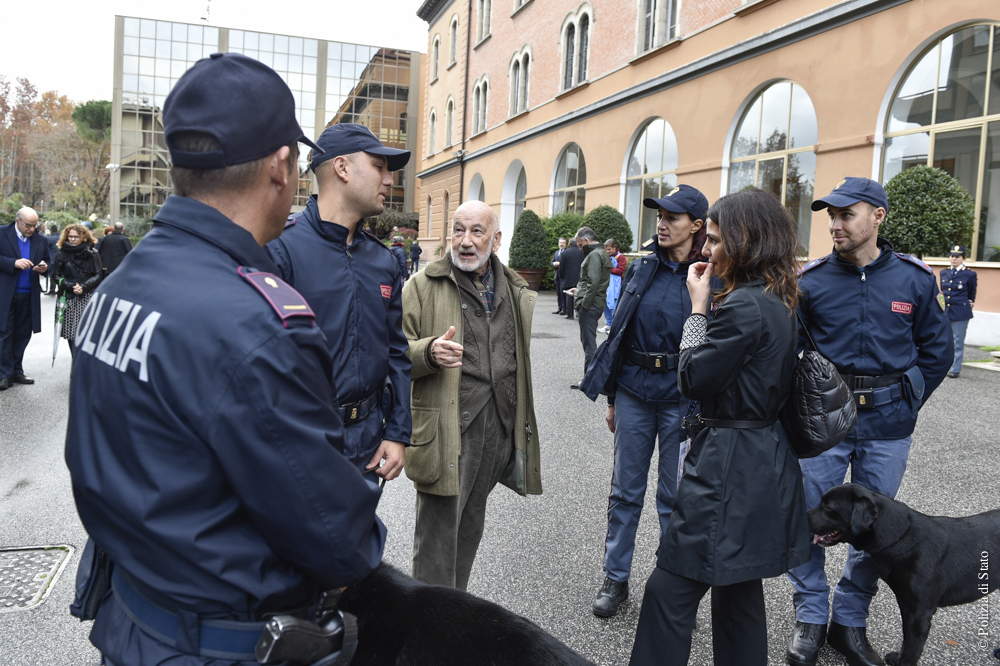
x: 211, y: 469
x: 959, y: 289
x: 608, y: 372
x: 884, y: 318
x: 356, y: 292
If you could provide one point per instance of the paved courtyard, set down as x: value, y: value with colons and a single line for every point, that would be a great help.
x: 540, y: 556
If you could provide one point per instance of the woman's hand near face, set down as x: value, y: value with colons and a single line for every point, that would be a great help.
x: 699, y: 284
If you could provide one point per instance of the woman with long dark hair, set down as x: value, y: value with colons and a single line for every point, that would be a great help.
x: 77, y: 271
x: 636, y: 367
x: 740, y: 512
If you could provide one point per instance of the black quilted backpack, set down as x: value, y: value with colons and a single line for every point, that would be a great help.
x: 820, y: 410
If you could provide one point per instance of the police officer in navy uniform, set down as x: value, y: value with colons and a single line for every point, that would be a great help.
x: 636, y: 367
x: 212, y: 471
x: 879, y: 317
x: 354, y: 284
x: 958, y: 284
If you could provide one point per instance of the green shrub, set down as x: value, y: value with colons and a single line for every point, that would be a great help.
x: 529, y: 243
x: 929, y: 212
x: 64, y: 218
x: 607, y: 223
x: 560, y: 225
x: 136, y: 227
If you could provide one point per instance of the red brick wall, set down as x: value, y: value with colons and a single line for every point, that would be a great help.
x: 696, y: 14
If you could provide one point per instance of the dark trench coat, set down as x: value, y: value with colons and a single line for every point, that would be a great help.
x: 740, y: 512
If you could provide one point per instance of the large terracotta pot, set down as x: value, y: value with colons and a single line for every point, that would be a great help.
x: 533, y: 276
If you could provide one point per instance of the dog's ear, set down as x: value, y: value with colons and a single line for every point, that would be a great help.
x: 863, y: 514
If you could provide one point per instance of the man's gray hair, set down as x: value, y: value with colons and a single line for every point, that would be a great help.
x: 587, y: 234
x: 397, y: 239
x: 19, y: 215
x: 119, y: 227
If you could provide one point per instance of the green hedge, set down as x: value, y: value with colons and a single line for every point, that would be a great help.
x: 929, y: 212
x: 528, y: 243
x: 607, y: 223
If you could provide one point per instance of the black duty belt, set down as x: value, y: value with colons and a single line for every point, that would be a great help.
x: 652, y: 361
x: 746, y: 425
x: 353, y: 412
x: 871, y: 391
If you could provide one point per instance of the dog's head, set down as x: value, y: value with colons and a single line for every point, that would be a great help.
x: 846, y: 513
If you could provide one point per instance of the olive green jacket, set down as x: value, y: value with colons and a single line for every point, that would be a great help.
x: 595, y: 276
x: 431, y: 303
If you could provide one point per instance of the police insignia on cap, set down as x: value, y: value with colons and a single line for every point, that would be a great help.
x: 956, y: 249
x: 842, y: 181
x: 674, y: 191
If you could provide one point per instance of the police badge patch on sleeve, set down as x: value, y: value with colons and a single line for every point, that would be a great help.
x: 940, y: 301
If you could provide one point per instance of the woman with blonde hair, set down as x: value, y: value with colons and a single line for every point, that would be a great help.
x: 77, y: 271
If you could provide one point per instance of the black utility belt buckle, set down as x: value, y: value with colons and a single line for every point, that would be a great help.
x: 658, y: 362
x: 864, y: 398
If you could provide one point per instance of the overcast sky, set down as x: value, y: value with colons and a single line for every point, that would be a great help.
x: 68, y: 46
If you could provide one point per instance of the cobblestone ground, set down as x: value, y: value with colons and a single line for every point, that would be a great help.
x: 540, y: 556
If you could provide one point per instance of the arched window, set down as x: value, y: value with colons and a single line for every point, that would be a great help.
x: 483, y: 9
x: 773, y: 149
x: 525, y: 72
x: 450, y: 120
x: 946, y: 114
x: 476, y: 94
x: 447, y: 203
x: 454, y: 41
x: 430, y: 215
x: 520, y: 194
x: 515, y: 88
x: 650, y: 173
x: 431, y: 132
x: 434, y: 59
x: 659, y: 23
x: 568, y: 56
x: 482, y: 109
x: 571, y: 176
x: 581, y: 64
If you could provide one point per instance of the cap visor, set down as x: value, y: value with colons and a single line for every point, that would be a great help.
x: 836, y: 200
x: 397, y: 158
x: 312, y: 144
x: 665, y: 204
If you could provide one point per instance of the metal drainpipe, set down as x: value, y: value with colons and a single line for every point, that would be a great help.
x: 465, y: 106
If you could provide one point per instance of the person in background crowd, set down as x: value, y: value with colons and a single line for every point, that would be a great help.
x: 740, y: 512
x: 958, y: 284
x: 468, y: 321
x: 415, y: 252
x: 113, y: 247
x: 354, y: 284
x: 879, y: 317
x: 53, y: 238
x: 636, y: 369
x: 569, y: 273
x: 590, y: 294
x: 619, y: 264
x: 77, y: 271
x: 399, y: 251
x: 24, y: 256
x: 203, y: 440
x: 556, y: 260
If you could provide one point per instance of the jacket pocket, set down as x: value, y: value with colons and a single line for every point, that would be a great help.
x: 423, y: 457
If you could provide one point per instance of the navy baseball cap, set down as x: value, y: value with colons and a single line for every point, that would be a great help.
x: 241, y: 102
x: 958, y: 250
x: 850, y: 191
x: 681, y: 199
x: 348, y: 138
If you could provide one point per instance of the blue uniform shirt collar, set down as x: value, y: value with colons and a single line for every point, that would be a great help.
x: 330, y: 230
x: 210, y: 225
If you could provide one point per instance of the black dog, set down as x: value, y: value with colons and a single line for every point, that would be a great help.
x: 928, y: 561
x: 403, y: 622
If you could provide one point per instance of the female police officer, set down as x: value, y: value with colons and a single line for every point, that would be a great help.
x: 636, y: 369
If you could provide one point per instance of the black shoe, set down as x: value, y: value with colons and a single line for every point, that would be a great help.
x: 804, y: 646
x: 4, y: 383
x: 21, y: 379
x: 953, y: 375
x: 576, y: 387
x: 609, y: 598
x: 852, y: 642
x: 559, y: 312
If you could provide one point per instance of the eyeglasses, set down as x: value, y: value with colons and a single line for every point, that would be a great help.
x: 29, y: 226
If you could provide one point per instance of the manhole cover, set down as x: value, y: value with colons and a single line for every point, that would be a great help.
x: 545, y: 336
x: 28, y: 574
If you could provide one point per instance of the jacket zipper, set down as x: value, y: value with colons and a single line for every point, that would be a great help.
x: 864, y: 310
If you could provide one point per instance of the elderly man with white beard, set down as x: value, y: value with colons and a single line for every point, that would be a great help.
x: 467, y: 319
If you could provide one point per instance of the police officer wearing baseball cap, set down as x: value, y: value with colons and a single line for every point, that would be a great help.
x: 636, y: 369
x: 354, y: 283
x: 958, y: 284
x: 878, y: 316
x: 211, y: 474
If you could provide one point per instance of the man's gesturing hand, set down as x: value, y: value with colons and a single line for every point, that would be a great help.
x: 445, y: 352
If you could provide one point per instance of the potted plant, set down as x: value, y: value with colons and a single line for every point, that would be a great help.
x: 529, y: 249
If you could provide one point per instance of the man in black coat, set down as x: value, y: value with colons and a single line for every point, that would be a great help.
x: 569, y: 270
x: 556, y: 260
x: 53, y: 239
x: 114, y: 247
x: 23, y: 256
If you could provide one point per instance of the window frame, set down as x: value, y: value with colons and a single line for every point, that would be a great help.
x: 637, y: 137
x: 435, y: 58
x: 657, y: 26
x: 453, y: 34
x: 558, y: 192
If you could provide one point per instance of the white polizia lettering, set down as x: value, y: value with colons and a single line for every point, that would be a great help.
x: 118, y: 323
